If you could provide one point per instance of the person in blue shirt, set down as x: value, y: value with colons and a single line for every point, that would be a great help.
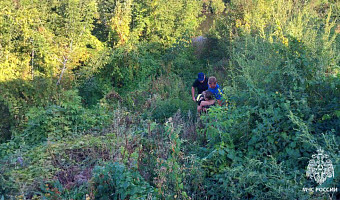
x: 215, y: 89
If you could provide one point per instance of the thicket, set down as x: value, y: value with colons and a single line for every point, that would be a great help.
x: 95, y: 99
x: 282, y: 86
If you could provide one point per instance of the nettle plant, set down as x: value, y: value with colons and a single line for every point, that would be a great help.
x: 115, y: 181
x: 62, y: 119
x: 170, y: 176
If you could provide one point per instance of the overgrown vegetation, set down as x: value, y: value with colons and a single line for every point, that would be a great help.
x: 95, y: 98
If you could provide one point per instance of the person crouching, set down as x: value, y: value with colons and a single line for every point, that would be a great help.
x: 205, y: 101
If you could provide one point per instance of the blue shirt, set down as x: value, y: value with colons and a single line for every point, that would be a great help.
x: 217, y: 91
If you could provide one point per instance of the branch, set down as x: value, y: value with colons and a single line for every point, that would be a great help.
x: 62, y: 71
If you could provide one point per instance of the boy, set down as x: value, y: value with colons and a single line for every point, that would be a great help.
x: 215, y: 89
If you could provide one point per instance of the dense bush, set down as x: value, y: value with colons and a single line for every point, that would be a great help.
x: 66, y: 118
x: 66, y: 164
x: 255, y: 179
x: 92, y: 90
x: 130, y: 130
x: 274, y: 77
x: 164, y: 109
x: 6, y: 122
x: 18, y: 96
x: 114, y: 181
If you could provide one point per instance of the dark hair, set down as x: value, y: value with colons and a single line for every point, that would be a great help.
x: 208, y: 95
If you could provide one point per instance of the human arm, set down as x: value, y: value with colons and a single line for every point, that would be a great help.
x: 193, y: 93
x: 207, y: 103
